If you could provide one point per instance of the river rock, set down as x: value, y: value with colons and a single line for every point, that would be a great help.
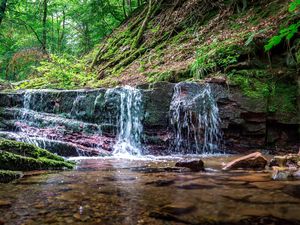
x: 252, y: 161
x: 193, y: 165
x: 285, y: 167
x: 290, y: 160
x: 4, y: 204
x: 178, y: 208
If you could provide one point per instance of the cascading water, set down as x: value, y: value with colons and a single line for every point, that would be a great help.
x: 195, y: 120
x: 24, y: 134
x: 130, y: 127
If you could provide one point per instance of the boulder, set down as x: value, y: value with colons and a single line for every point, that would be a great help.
x: 252, y: 161
x: 193, y: 165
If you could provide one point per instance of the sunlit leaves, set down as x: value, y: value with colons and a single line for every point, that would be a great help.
x: 285, y: 33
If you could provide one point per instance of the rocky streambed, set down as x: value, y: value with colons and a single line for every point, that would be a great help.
x: 150, y: 191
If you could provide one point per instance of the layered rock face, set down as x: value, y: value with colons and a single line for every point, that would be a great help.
x: 169, y: 118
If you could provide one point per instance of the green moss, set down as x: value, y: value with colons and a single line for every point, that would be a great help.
x: 10, y: 161
x: 251, y: 86
x: 283, y: 98
x: 27, y: 150
x: 261, y: 84
x: 7, y: 176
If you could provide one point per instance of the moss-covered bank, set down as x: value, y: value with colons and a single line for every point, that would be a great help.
x: 7, y: 176
x: 17, y: 156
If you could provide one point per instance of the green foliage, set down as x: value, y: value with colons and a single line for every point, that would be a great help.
x: 294, y: 5
x: 64, y: 72
x: 217, y: 55
x: 71, y: 27
x: 288, y: 32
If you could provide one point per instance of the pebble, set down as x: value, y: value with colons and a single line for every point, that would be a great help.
x: 4, y: 203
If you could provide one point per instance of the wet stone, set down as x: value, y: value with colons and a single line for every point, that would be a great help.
x: 292, y: 190
x: 193, y: 165
x: 266, y: 220
x: 161, y: 183
x: 167, y: 217
x: 178, y: 209
x: 194, y: 186
x: 253, y: 161
x: 5, y: 204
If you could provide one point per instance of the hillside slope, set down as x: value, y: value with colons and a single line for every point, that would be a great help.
x: 184, y: 40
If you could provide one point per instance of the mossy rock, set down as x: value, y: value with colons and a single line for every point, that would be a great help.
x: 7, y: 176
x: 27, y: 150
x: 10, y: 161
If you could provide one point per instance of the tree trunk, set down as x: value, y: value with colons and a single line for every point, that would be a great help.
x: 44, y: 35
x: 143, y: 27
x: 124, y: 8
x: 2, y: 10
x: 62, y: 35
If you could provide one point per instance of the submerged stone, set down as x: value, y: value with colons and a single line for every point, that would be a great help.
x: 161, y: 183
x: 8, y: 176
x: 178, y: 208
x: 193, y: 165
x: 4, y: 203
x: 252, y: 161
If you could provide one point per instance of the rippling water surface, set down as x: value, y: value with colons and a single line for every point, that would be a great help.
x: 149, y: 191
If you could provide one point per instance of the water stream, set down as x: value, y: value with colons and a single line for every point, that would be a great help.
x: 130, y: 126
x: 121, y: 191
x: 195, y: 120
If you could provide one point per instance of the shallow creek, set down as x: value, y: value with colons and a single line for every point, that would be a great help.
x: 149, y: 191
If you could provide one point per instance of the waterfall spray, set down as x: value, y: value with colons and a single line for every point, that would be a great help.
x: 195, y: 121
x: 130, y: 127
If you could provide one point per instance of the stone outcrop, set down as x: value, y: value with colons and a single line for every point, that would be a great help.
x: 253, y: 161
x: 91, y: 117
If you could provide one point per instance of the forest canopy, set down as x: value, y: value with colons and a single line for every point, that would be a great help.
x: 31, y: 30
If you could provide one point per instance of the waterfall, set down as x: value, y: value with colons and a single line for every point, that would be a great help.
x: 25, y: 135
x: 195, y: 120
x: 130, y: 127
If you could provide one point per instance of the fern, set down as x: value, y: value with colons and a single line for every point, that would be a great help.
x: 285, y: 33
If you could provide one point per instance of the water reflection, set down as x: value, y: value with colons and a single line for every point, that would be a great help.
x: 122, y: 191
